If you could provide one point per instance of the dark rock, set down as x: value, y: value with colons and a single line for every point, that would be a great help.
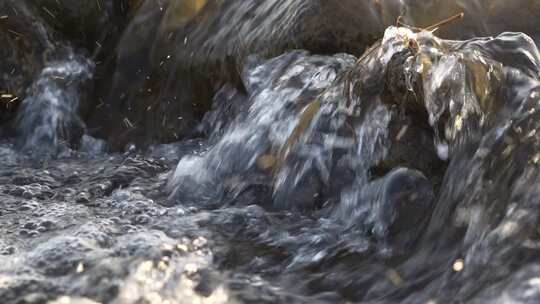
x: 33, y: 33
x: 406, y: 196
x: 175, y: 55
x: 83, y: 198
x: 410, y: 138
x: 399, y: 206
x: 26, y: 41
x: 482, y: 18
x: 61, y: 255
x: 87, y: 24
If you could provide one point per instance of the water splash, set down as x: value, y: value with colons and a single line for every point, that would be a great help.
x: 340, y: 151
x: 253, y: 140
x: 48, y: 114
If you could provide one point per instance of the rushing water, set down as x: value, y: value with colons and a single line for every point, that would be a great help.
x: 409, y: 174
x: 50, y: 111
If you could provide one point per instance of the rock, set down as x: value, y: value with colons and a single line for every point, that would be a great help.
x: 34, y: 33
x: 411, y: 137
x: 482, y: 18
x: 321, y: 27
x: 86, y: 24
x: 61, y: 255
x: 301, y: 136
x: 175, y: 55
x: 397, y: 206
x: 405, y: 197
x: 92, y: 28
x: 460, y: 89
x: 26, y: 41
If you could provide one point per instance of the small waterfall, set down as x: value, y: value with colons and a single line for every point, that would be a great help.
x: 288, y: 138
x: 49, y: 112
x: 295, y: 134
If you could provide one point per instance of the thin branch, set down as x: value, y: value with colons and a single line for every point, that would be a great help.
x: 445, y: 22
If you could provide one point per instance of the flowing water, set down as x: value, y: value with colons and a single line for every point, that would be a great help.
x: 407, y: 175
x: 50, y: 111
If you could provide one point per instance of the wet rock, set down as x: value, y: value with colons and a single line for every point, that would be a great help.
x: 61, y: 255
x: 123, y: 174
x: 26, y: 41
x: 395, y: 207
x: 410, y: 132
x: 411, y: 137
x: 159, y: 93
x: 34, y: 33
x: 461, y: 106
x: 404, y: 201
x: 482, y: 18
x: 317, y: 26
x: 89, y: 24
x: 83, y: 198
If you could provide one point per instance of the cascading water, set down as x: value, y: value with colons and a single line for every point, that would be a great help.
x: 406, y: 175
x: 49, y: 113
x: 326, y: 153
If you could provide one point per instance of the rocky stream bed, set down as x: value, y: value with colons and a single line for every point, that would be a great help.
x: 269, y: 151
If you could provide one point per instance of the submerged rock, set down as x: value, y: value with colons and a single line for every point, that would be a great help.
x: 395, y: 208
x: 88, y: 24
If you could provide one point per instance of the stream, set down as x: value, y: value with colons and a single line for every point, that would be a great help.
x: 405, y: 172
